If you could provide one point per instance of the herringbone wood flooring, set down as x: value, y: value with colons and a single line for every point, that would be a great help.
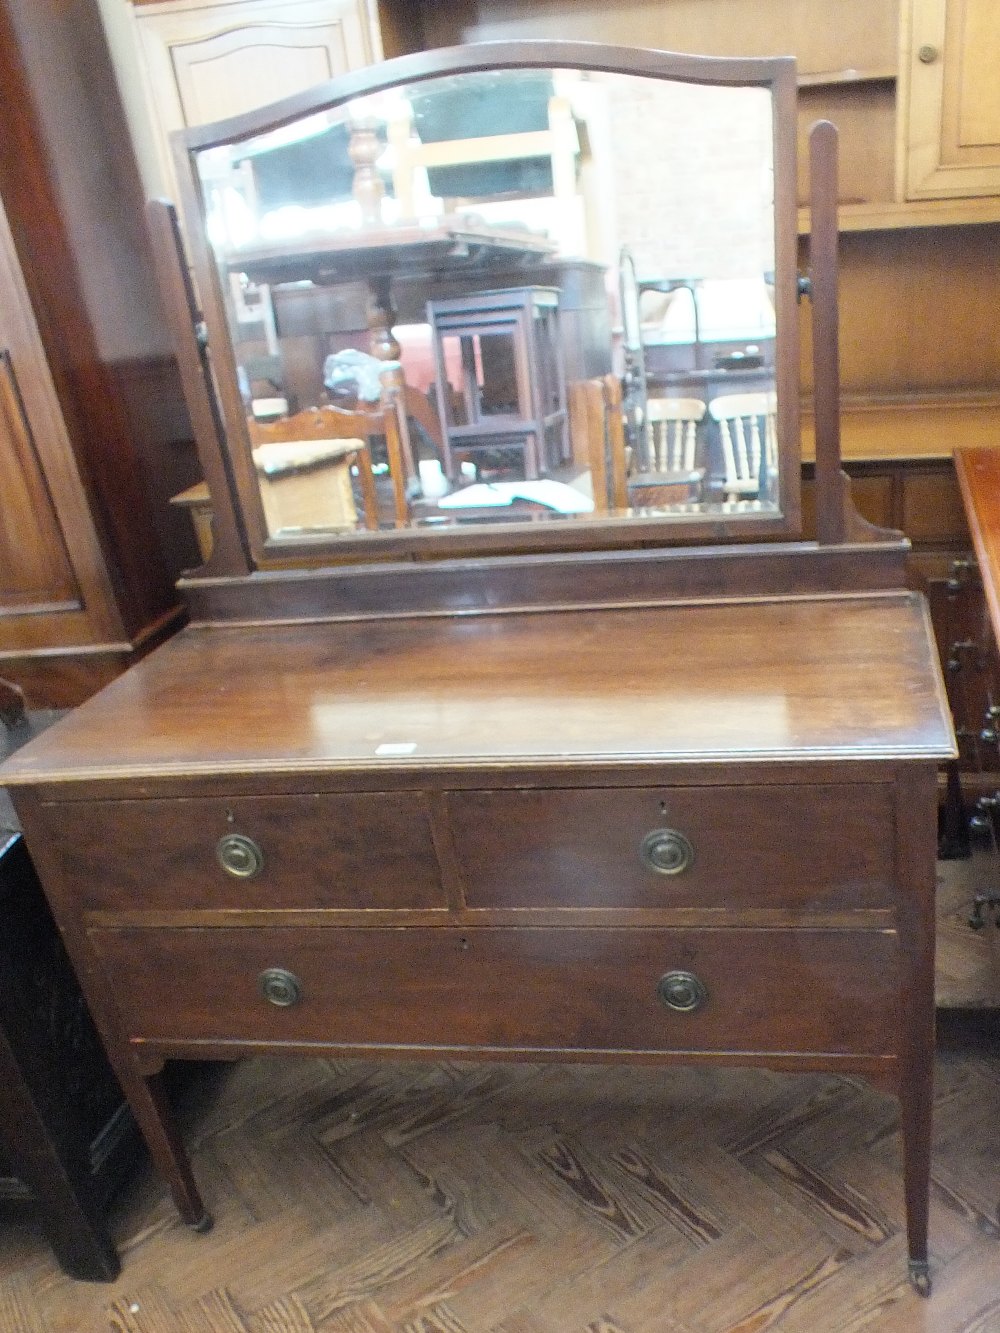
x: 363, y: 1198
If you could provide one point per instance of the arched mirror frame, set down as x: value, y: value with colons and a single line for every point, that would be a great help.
x: 241, y: 536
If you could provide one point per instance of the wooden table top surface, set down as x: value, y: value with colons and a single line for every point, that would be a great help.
x: 826, y: 678
x: 979, y: 480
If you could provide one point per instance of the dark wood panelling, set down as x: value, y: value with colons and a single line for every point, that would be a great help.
x: 71, y: 193
x: 40, y: 126
x: 34, y: 566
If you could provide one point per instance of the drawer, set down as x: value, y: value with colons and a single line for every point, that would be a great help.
x: 510, y: 989
x: 821, y: 846
x: 371, y: 850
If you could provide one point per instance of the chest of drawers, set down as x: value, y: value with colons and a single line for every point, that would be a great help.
x: 545, y: 836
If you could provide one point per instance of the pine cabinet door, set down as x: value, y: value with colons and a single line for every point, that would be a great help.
x: 950, y: 98
x: 203, y: 62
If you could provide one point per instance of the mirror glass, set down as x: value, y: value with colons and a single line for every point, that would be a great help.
x: 454, y: 258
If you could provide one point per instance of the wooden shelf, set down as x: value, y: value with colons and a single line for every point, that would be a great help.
x: 910, y: 426
x: 836, y: 77
x: 890, y: 215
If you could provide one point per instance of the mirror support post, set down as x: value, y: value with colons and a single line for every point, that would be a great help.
x: 229, y: 552
x: 831, y: 521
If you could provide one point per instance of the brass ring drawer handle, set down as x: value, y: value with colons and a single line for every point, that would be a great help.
x: 682, y: 991
x: 280, y: 987
x: 666, y: 851
x: 239, y: 856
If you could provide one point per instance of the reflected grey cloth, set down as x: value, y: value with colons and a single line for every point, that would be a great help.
x: 357, y: 372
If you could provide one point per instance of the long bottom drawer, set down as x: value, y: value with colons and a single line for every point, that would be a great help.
x: 511, y: 989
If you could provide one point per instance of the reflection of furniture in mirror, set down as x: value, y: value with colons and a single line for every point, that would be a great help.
x: 669, y: 288
x: 327, y: 248
x: 694, y: 325
x: 672, y: 434
x: 634, y: 367
x: 703, y: 339
x: 626, y: 784
x: 416, y: 153
x: 746, y: 428
x: 512, y: 381
x: 379, y: 257
x: 312, y: 320
x: 305, y: 464
x: 665, y: 469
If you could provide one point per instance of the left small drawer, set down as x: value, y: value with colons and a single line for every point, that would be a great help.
x: 370, y: 850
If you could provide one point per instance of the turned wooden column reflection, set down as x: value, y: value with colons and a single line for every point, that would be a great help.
x: 364, y: 150
x: 381, y: 317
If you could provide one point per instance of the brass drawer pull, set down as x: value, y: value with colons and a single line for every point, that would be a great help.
x: 666, y: 851
x: 682, y: 991
x: 239, y: 856
x: 280, y: 987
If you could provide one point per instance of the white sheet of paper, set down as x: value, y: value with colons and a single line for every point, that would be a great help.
x: 553, y: 494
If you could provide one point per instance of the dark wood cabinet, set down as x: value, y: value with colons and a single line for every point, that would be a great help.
x: 88, y: 436
x: 67, y: 1137
x: 972, y: 661
x: 920, y: 497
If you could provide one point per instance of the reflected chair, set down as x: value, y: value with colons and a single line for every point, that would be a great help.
x: 513, y: 380
x: 305, y: 464
x: 669, y: 474
x: 748, y: 434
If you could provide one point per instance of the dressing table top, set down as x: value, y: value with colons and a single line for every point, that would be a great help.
x: 834, y: 678
x: 978, y: 472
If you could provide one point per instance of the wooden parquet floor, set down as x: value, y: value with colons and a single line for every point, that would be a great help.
x: 356, y: 1197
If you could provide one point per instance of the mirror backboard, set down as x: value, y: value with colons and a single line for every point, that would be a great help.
x: 411, y: 275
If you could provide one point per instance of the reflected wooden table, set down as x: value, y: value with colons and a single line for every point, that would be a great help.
x: 379, y: 255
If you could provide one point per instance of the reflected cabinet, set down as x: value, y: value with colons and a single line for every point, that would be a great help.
x: 516, y: 718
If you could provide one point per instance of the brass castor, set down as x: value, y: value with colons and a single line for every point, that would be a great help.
x: 920, y: 1276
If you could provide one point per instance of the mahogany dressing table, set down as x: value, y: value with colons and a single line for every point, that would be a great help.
x: 647, y: 786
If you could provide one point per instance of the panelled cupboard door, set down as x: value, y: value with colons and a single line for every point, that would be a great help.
x: 202, y: 62
x: 951, y: 98
x: 53, y: 587
x: 34, y: 563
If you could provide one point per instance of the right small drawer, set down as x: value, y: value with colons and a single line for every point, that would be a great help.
x: 825, y: 846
